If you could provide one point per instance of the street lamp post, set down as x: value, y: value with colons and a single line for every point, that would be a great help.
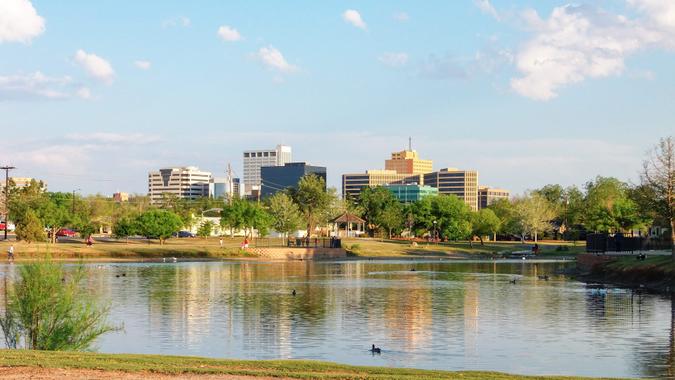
x: 7, y: 168
x: 435, y: 233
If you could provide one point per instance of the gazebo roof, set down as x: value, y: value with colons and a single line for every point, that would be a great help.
x: 348, y: 217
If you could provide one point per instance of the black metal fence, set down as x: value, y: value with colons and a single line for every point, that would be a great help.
x: 298, y: 242
x: 601, y: 243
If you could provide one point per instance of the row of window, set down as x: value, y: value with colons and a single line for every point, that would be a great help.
x: 259, y: 154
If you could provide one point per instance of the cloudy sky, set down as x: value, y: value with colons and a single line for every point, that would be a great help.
x: 527, y: 92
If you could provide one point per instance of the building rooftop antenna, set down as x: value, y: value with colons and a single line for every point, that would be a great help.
x: 410, y: 143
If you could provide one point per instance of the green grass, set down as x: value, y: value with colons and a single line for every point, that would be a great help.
x: 663, y: 264
x: 394, y: 248
x: 299, y: 369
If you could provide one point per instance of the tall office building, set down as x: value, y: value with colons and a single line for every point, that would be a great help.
x: 255, y: 159
x: 353, y: 184
x: 488, y: 195
x: 462, y: 183
x: 279, y: 178
x: 184, y: 182
x: 408, y: 162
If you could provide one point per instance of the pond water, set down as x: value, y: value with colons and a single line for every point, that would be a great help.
x: 443, y: 315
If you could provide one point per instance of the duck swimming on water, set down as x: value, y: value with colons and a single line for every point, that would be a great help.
x: 375, y: 350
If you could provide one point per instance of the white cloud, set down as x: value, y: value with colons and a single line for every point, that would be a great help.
x: 113, y: 138
x: 401, y: 16
x: 273, y: 59
x: 34, y: 86
x: 83, y: 92
x: 575, y: 43
x: 19, y: 21
x: 354, y: 17
x: 143, y: 65
x: 177, y: 21
x: 394, y: 59
x: 228, y: 33
x: 486, y: 7
x: 95, y: 66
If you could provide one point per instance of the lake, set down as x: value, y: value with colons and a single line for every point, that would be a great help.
x: 450, y: 315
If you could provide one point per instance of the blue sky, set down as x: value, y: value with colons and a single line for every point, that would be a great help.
x: 93, y: 95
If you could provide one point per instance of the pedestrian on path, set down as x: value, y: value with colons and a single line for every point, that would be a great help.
x: 221, y: 242
x: 10, y: 253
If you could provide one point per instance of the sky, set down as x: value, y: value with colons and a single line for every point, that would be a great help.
x: 93, y: 95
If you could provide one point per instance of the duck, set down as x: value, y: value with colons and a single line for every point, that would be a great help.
x: 375, y: 350
x: 544, y: 277
x: 513, y: 281
x: 413, y: 270
x: 294, y: 292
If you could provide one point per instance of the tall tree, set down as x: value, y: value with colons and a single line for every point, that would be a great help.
x: 30, y: 229
x: 484, y: 223
x: 391, y: 219
x: 658, y: 175
x: 285, y: 213
x: 312, y: 198
x: 534, y: 214
x: 158, y: 224
x: 375, y: 201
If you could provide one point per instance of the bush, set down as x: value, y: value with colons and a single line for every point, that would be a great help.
x: 47, y: 309
x: 30, y: 228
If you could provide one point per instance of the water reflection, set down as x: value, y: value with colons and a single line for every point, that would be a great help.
x: 443, y: 315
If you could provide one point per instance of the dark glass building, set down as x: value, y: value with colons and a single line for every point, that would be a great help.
x: 279, y: 178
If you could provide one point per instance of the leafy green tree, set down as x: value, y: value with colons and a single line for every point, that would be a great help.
x: 505, y: 211
x: 658, y: 177
x: 158, y: 224
x: 312, y: 199
x: 30, y: 228
x: 534, y: 214
x: 49, y: 309
x: 232, y: 216
x: 125, y: 227
x: 375, y: 201
x: 205, y: 229
x: 608, y: 207
x: 391, y: 218
x: 286, y: 216
x: 453, y: 217
x: 484, y: 223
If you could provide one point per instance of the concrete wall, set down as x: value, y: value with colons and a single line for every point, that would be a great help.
x: 292, y: 253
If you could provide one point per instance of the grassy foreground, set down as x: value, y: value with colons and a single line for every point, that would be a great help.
x: 464, y: 249
x: 199, y: 248
x: 298, y: 369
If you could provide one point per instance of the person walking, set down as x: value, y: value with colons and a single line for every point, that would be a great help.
x: 10, y: 253
x: 221, y: 242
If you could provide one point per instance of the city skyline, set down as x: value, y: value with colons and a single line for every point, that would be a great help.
x: 90, y: 104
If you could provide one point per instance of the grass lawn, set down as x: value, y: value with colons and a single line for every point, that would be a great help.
x: 394, y: 248
x: 300, y: 369
x: 199, y: 248
x: 663, y: 264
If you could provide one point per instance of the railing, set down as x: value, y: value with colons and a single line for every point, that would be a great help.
x: 601, y: 243
x: 298, y: 242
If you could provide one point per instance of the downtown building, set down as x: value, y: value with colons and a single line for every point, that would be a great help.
x: 256, y: 159
x: 461, y: 183
x: 489, y: 195
x: 279, y: 178
x: 183, y: 182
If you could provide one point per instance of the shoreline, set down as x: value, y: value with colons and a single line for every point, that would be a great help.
x: 79, y: 365
x: 655, y: 275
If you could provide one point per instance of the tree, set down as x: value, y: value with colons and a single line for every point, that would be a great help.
x: 30, y: 228
x: 391, y: 218
x: 485, y: 222
x: 658, y: 175
x: 375, y: 202
x: 453, y: 217
x: 205, y: 229
x: 286, y: 216
x: 48, y: 309
x: 505, y: 212
x: 124, y: 227
x: 312, y: 199
x: 158, y: 224
x: 534, y: 214
x: 608, y: 208
x: 232, y: 216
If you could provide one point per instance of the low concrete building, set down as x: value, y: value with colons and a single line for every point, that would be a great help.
x: 409, y: 193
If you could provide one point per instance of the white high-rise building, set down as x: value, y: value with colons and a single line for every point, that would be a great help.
x: 184, y: 182
x: 255, y: 159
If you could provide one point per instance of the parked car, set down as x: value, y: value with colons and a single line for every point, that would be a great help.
x: 184, y: 234
x: 2, y: 227
x: 66, y: 232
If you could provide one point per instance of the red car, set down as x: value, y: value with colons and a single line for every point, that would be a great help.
x: 66, y: 232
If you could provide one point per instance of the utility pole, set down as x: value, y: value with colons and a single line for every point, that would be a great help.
x: 230, y: 184
x: 7, y: 168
